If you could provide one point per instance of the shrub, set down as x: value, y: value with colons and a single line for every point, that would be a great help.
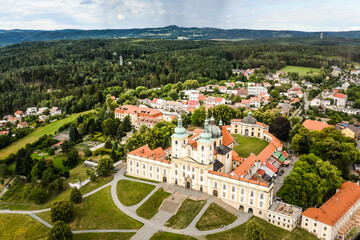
x: 60, y: 231
x: 75, y: 195
x: 38, y: 195
x: 62, y: 211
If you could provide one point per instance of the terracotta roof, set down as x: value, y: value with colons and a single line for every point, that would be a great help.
x: 190, y: 109
x: 202, y: 97
x: 227, y: 138
x: 159, y: 152
x: 18, y: 112
x: 340, y: 95
x: 4, y: 132
x: 244, y: 167
x: 338, y: 205
x: 235, y: 157
x: 315, y: 125
x: 236, y: 120
x: 192, y: 102
x: 59, y: 143
x: 148, y: 120
x: 193, y: 143
x: 266, y: 153
x: 218, y: 99
x: 196, y: 132
x: 260, y: 172
x: 131, y: 110
x: 154, y: 100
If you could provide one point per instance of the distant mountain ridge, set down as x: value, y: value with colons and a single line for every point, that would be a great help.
x: 8, y: 37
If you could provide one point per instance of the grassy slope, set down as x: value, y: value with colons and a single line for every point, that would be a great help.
x: 272, y: 231
x: 14, y: 226
x: 214, y: 217
x: 103, y: 236
x: 35, y: 135
x: 98, y: 211
x: 131, y: 193
x: 247, y: 145
x: 170, y: 236
x: 186, y: 214
x: 300, y: 70
x: 151, y: 206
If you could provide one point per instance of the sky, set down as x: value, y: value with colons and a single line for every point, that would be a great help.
x: 303, y: 15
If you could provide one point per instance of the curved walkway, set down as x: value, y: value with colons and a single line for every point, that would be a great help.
x: 150, y: 226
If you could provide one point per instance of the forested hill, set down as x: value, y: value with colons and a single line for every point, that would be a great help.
x: 171, y: 32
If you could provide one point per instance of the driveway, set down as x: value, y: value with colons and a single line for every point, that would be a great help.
x: 279, y: 180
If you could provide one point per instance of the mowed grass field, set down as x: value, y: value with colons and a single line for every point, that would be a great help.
x: 247, y: 145
x: 17, y: 226
x: 35, y: 135
x: 299, y: 70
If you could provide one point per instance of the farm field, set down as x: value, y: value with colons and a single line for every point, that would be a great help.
x: 300, y: 70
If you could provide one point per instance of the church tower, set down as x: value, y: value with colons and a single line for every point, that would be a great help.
x: 205, y: 145
x: 178, y: 140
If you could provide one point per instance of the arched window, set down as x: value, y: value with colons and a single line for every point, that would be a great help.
x: 189, y: 152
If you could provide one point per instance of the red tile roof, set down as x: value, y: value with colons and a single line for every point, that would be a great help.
x: 337, y: 206
x: 227, y: 138
x: 202, y: 97
x: 193, y: 102
x: 154, y: 100
x: 18, y: 112
x: 218, y: 99
x: 132, y: 110
x: 340, y: 95
x: 315, y: 125
x: 245, y: 166
x: 146, y: 152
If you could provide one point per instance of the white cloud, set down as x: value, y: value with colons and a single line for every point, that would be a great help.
x: 121, y: 16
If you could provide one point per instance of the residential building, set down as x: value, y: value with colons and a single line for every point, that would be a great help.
x: 31, y: 111
x: 147, y: 121
x: 22, y: 125
x: 55, y: 111
x: 173, y: 106
x: 325, y: 222
x: 158, y: 103
x: 254, y: 89
x: 284, y: 215
x: 135, y: 112
x: 316, y: 125
x: 18, y: 114
x: 41, y: 110
x: 352, y: 132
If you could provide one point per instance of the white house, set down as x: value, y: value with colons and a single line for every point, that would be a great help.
x: 254, y: 89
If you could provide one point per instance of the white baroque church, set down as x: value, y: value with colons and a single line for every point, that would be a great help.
x: 205, y: 161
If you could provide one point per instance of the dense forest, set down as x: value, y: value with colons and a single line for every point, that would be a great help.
x: 76, y: 74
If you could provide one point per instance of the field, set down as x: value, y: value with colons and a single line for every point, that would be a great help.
x: 172, y: 236
x: 214, y: 217
x: 300, y: 70
x: 186, y: 214
x: 98, y: 211
x: 151, y: 206
x: 16, y: 226
x: 131, y: 193
x: 35, y: 135
x: 272, y: 231
x: 102, y: 236
x: 247, y: 145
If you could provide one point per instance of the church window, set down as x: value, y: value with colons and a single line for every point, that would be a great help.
x: 176, y: 165
x: 157, y: 169
x: 189, y: 152
x: 137, y: 164
x: 261, y: 196
x: 164, y: 171
x: 215, y: 184
x: 193, y: 177
x: 232, y: 197
x: 183, y: 167
x: 233, y: 189
x: 130, y: 163
x: 176, y: 142
x: 201, y: 178
x: 150, y: 168
x: 176, y: 172
x: 188, y: 167
x: 242, y: 191
x: 202, y: 148
x: 144, y: 166
x: 224, y: 186
x: 183, y: 174
x: 252, y: 194
x: 193, y: 169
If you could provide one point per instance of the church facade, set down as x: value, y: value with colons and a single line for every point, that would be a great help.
x: 206, y: 162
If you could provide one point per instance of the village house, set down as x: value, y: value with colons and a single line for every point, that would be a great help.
x: 147, y: 121
x: 55, y: 111
x: 41, y: 110
x: 158, y: 103
x: 22, y: 125
x: 316, y: 125
x: 254, y: 89
x: 18, y: 114
x: 31, y: 111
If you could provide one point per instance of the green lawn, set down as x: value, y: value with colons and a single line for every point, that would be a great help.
x: 131, y: 193
x: 151, y: 206
x: 59, y: 162
x: 300, y: 70
x: 170, y: 236
x: 186, y: 214
x: 16, y: 226
x: 272, y: 231
x: 37, y: 156
x: 35, y: 135
x: 247, y: 145
x: 102, y: 236
x: 214, y: 217
x: 98, y: 211
x: 143, y: 179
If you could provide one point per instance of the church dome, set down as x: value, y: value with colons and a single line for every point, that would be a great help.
x: 214, y: 130
x: 249, y: 119
x: 180, y: 129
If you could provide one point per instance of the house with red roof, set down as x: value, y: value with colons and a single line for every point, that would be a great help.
x: 135, y: 112
x: 316, y: 125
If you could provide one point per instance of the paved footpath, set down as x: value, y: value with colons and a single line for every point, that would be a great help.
x: 150, y: 226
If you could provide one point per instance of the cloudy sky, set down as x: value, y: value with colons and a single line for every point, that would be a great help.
x: 306, y: 15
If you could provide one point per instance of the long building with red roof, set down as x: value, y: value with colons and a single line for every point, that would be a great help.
x: 206, y: 161
x: 327, y: 220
